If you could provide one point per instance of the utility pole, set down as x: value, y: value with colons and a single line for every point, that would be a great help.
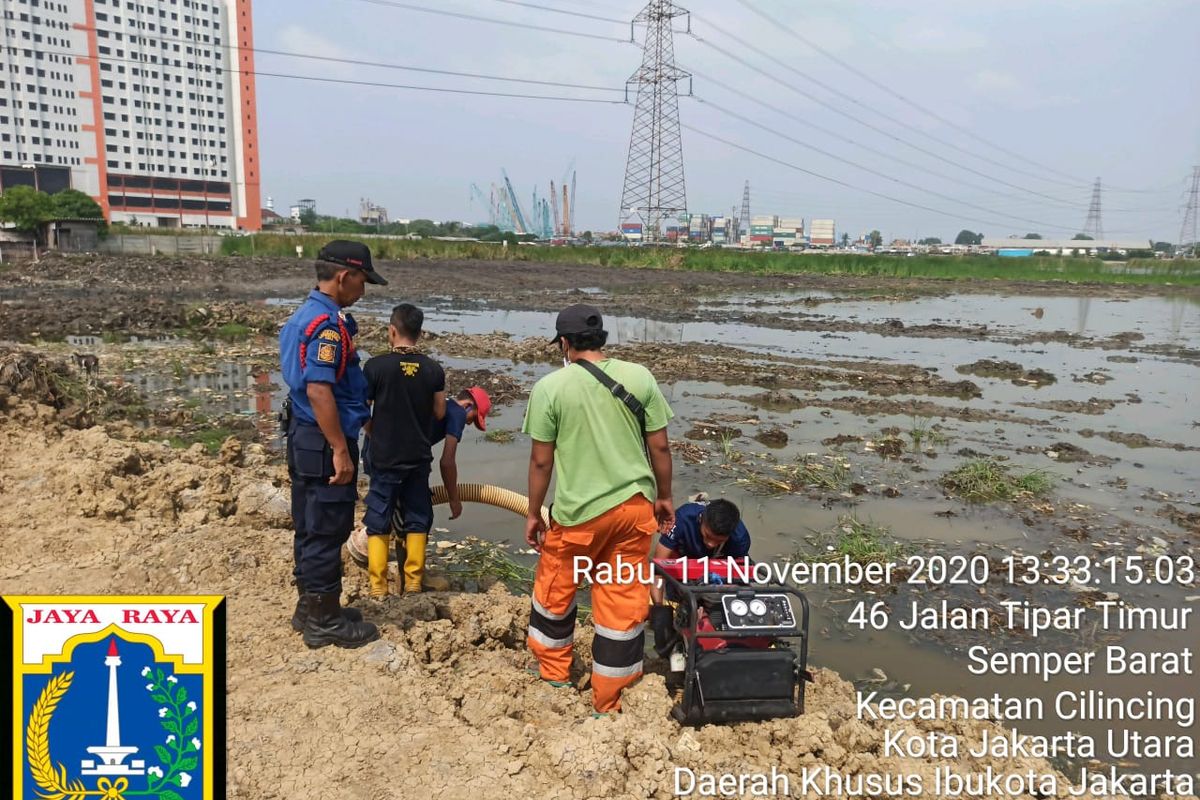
x: 1093, y: 226
x: 745, y: 218
x: 654, y: 186
x: 1189, y: 232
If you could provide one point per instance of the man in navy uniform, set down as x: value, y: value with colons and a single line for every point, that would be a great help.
x: 327, y: 396
x: 702, y: 530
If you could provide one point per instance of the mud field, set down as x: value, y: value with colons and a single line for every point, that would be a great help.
x: 818, y: 404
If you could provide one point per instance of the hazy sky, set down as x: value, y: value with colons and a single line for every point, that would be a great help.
x: 1071, y: 89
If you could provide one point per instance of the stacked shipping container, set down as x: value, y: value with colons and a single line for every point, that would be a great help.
x: 822, y: 233
x: 789, y: 232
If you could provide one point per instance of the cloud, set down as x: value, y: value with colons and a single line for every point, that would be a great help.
x: 995, y: 83
x: 923, y: 36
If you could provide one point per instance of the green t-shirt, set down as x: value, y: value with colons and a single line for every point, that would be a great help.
x: 598, y: 443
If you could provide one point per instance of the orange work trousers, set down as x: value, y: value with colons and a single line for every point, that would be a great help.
x: 619, y: 538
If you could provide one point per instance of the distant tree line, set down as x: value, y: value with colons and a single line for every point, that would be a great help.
x: 424, y: 228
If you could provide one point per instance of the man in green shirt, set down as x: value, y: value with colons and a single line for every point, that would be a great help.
x: 613, y: 492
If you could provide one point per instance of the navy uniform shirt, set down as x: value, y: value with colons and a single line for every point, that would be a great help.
x: 325, y: 351
x: 453, y: 424
x: 685, y: 538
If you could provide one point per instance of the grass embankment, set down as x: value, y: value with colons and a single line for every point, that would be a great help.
x: 1082, y: 270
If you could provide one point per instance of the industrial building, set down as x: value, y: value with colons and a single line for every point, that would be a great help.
x: 766, y: 232
x: 1014, y: 247
x: 157, y: 122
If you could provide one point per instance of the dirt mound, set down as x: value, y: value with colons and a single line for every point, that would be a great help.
x: 1009, y: 371
x: 440, y: 706
x: 1135, y: 440
x: 36, y: 387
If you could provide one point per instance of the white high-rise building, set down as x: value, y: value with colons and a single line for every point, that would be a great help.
x: 148, y: 106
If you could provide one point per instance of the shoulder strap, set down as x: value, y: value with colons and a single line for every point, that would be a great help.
x: 618, y: 391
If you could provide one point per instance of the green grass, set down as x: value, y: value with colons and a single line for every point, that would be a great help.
x: 861, y: 542
x: 731, y: 454
x: 921, y: 432
x: 211, y: 438
x: 1087, y: 270
x: 500, y: 436
x: 233, y: 330
x: 983, y: 480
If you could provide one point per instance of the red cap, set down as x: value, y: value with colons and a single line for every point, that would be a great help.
x: 483, y: 406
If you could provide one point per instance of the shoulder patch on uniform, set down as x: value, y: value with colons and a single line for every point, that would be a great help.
x: 330, y: 335
x: 326, y: 353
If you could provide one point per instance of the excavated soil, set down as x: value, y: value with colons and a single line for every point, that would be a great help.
x: 440, y: 707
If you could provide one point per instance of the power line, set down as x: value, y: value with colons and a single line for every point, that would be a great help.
x: 354, y: 82
x: 878, y: 174
x: 364, y: 63
x: 841, y: 137
x: 1081, y: 183
x: 855, y: 101
x: 553, y: 10
x: 433, y: 71
x: 873, y: 127
x: 908, y: 101
x: 837, y: 181
x: 381, y: 84
x: 492, y: 20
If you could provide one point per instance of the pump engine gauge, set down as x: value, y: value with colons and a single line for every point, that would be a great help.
x: 739, y: 608
x: 758, y: 608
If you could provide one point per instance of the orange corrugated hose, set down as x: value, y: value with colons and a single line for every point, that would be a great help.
x: 468, y: 493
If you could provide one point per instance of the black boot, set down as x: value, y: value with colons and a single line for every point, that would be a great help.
x: 301, y: 612
x: 326, y: 625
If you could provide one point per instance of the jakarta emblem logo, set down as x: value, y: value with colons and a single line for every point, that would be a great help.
x: 116, y: 697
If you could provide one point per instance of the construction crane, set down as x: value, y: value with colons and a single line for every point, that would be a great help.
x: 566, y: 212
x: 571, y: 219
x: 477, y: 197
x: 515, y: 205
x: 554, y: 205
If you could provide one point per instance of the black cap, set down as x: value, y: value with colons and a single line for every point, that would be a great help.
x: 354, y: 255
x: 579, y: 318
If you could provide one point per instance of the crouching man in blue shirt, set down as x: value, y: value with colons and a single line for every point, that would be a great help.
x: 327, y: 396
x: 702, y: 530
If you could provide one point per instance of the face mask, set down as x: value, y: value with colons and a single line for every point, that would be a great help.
x: 566, y: 361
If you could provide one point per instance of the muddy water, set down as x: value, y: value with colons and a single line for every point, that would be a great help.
x: 1154, y: 394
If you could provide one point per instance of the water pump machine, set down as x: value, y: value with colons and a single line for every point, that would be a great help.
x: 742, y: 647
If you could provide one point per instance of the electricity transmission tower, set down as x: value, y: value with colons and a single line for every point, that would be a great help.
x: 654, y: 187
x: 745, y: 218
x: 1188, y: 233
x: 1094, y: 227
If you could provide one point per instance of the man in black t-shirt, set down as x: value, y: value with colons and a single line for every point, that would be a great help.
x: 407, y: 390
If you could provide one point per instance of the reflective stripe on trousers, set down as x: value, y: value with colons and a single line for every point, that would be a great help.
x: 618, y: 609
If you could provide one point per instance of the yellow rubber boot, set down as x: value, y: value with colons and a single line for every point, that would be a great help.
x: 377, y: 562
x: 414, y: 561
